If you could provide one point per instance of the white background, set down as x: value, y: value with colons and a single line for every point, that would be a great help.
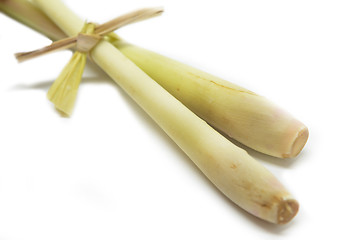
x: 109, y: 172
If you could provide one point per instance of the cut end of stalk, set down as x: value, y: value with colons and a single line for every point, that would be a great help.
x: 298, y: 143
x: 287, y: 210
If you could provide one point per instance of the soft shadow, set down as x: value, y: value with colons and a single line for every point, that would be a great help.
x: 92, y: 75
x: 97, y: 76
x: 45, y: 85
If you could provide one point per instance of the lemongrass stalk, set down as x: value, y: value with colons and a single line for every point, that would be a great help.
x: 231, y: 169
x: 243, y: 115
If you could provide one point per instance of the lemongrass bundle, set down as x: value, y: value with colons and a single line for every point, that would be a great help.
x: 245, y: 181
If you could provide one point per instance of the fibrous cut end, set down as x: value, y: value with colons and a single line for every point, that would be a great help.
x: 299, y: 142
x: 287, y: 210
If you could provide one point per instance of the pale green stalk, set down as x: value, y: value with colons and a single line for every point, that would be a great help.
x: 240, y: 113
x: 231, y: 169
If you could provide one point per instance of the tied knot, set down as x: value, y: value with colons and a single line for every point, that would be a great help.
x: 64, y: 90
x: 87, y: 39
